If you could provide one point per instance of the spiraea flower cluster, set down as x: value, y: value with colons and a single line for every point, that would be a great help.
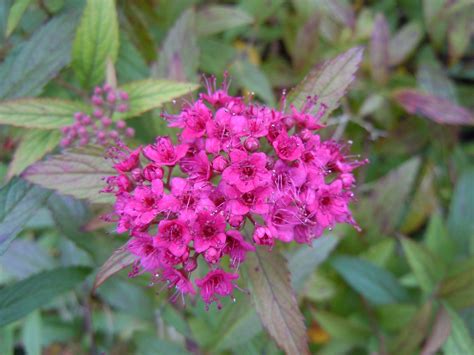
x: 99, y: 128
x: 234, y: 164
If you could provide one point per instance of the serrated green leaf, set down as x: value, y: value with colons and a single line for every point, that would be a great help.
x: 217, y: 18
x: 379, y: 286
x: 404, y: 42
x: 411, y: 336
x: 237, y: 327
x: 461, y: 214
x: 329, y: 80
x: 253, y: 79
x: 437, y: 239
x: 34, y: 145
x: 427, y: 268
x: 343, y: 329
x: 21, y: 298
x: 275, y: 301
x: 97, y: 39
x: 459, y: 340
x: 78, y: 172
x: 305, y: 260
x: 29, y: 67
x: 31, y: 333
x: 19, y: 200
x: 39, y: 113
x: 146, y: 95
x: 179, y: 55
x: 16, y: 12
x: 458, y: 288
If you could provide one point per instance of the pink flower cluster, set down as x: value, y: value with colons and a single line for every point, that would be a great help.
x: 99, y: 128
x: 235, y: 164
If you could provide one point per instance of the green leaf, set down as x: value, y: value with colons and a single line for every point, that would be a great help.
x: 19, y: 201
x: 21, y: 298
x: 427, y: 268
x: 413, y: 333
x: 146, y: 95
x: 459, y: 341
x: 149, y: 344
x: 461, y: 214
x: 329, y: 80
x: 237, y: 327
x: 458, y: 289
x: 29, y: 67
x: 16, y: 12
x: 379, y: 253
x: 119, y: 260
x: 395, y: 316
x: 437, y: 239
x: 78, y: 172
x: 179, y: 55
x: 275, y: 300
x: 305, y: 260
x: 34, y: 145
x: 31, y: 334
x: 252, y: 78
x: 6, y: 340
x: 374, y: 211
x: 374, y: 283
x: 404, y: 43
x: 379, y: 50
x: 343, y: 329
x: 39, y: 113
x: 97, y: 39
x: 460, y: 33
x: 217, y: 18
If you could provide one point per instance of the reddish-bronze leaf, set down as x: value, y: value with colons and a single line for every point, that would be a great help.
x: 119, y: 260
x: 275, y: 300
x: 435, y: 108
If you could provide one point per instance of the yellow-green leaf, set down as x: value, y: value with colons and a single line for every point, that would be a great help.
x: 146, y: 95
x: 97, y: 39
x: 16, y: 12
x: 34, y: 145
x: 39, y: 113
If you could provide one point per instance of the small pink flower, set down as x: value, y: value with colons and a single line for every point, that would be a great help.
x: 246, y: 171
x: 241, y: 203
x: 263, y: 236
x: 216, y: 283
x: 193, y: 120
x: 130, y: 163
x: 224, y: 130
x: 209, y: 231
x: 163, y: 152
x: 174, y: 235
x: 236, y: 247
x: 148, y: 252
x: 288, y: 147
x: 177, y: 279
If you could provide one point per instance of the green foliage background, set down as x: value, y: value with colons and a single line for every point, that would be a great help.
x: 405, y: 285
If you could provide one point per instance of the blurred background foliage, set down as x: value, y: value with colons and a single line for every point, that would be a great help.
x: 405, y: 285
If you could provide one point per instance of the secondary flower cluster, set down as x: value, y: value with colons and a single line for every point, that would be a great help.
x: 99, y: 128
x: 235, y: 164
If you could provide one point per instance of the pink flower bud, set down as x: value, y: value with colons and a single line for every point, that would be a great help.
x: 123, y: 96
x: 97, y: 100
x: 236, y: 221
x: 122, y: 108
x: 65, y: 142
x: 129, y: 132
x: 121, y: 124
x: 212, y: 255
x: 97, y: 90
x: 113, y: 134
x: 251, y: 144
x: 100, y: 135
x: 106, y: 121
x: 86, y: 120
x: 107, y: 87
x: 263, y: 236
x: 306, y: 135
x: 83, y: 141
x: 111, y: 98
x: 65, y: 129
x: 78, y: 116
x: 137, y: 174
x: 81, y: 130
x: 219, y: 163
x: 152, y: 172
x: 98, y: 113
